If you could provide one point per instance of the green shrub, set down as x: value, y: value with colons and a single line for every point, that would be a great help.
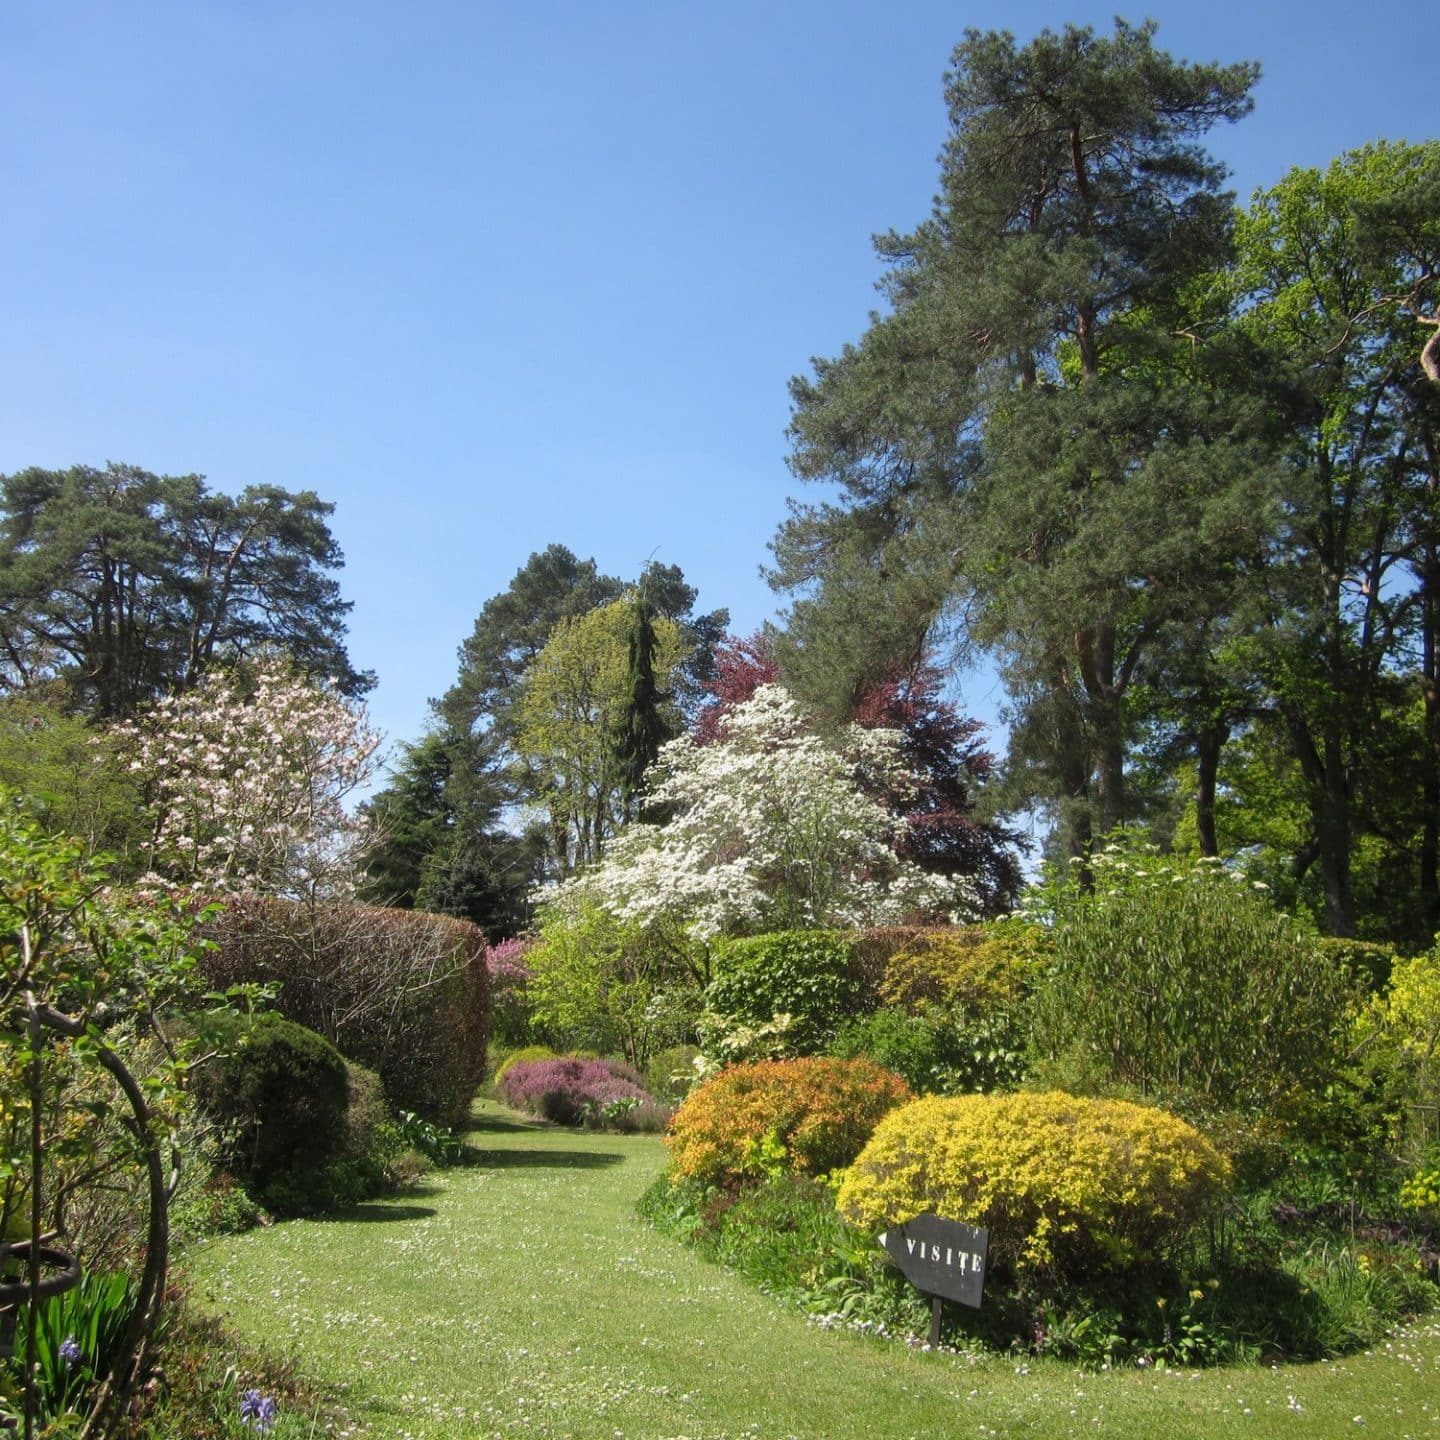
x: 281, y: 1094
x: 938, y: 1052
x: 672, y: 1074
x: 219, y: 1205
x: 1063, y: 1184
x: 1365, y: 964
x: 1398, y: 1035
x: 610, y: 985
x: 805, y: 1116
x: 522, y: 1056
x: 1178, y: 977
x: 803, y: 974
x: 403, y: 992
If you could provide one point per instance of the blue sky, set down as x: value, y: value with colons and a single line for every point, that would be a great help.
x: 491, y: 276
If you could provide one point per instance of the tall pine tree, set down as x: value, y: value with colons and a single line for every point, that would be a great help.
x: 1031, y: 443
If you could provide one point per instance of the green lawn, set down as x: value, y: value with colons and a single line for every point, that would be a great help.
x: 520, y: 1296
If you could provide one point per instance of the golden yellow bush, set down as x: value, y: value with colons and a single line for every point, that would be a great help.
x: 1061, y: 1183
x: 981, y: 967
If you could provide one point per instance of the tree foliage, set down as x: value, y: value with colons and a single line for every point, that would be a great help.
x: 128, y: 585
x: 573, y: 723
x: 772, y: 828
x: 1027, y: 442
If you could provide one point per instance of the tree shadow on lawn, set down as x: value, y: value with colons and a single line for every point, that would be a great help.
x: 487, y: 1122
x: 538, y: 1159
x: 378, y: 1211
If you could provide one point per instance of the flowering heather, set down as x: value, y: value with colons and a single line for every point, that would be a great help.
x: 569, y: 1091
x: 507, y: 962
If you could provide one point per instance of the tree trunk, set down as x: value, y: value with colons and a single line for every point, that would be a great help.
x: 1208, y: 744
x: 1430, y: 787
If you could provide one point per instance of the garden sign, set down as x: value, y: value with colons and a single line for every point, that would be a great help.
x: 943, y: 1258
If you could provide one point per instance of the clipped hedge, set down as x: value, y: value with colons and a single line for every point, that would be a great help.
x: 807, y: 1116
x: 1063, y: 1184
x: 403, y: 992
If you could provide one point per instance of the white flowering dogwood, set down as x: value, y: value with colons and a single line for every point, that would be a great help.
x: 246, y: 778
x: 771, y: 829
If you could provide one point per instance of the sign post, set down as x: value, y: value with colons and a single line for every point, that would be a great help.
x: 942, y: 1258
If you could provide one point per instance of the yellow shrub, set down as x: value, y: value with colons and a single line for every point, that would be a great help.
x: 981, y: 967
x: 1060, y: 1182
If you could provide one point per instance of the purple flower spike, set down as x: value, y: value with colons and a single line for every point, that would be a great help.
x: 69, y: 1350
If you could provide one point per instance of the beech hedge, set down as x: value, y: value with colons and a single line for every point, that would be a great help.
x: 403, y: 992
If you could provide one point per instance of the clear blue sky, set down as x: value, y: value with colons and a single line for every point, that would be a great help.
x: 490, y: 276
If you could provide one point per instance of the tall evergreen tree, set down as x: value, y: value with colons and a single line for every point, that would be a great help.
x: 1015, y: 450
x: 645, y: 722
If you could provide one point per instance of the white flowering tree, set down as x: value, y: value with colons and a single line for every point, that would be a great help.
x: 246, y: 777
x: 770, y: 829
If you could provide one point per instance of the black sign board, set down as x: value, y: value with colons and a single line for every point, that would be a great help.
x: 943, y: 1258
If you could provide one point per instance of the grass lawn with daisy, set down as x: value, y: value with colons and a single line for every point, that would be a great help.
x: 521, y: 1295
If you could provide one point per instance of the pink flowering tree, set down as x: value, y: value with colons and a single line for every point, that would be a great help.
x: 247, y: 778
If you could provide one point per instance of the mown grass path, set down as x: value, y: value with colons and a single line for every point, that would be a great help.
x: 521, y: 1296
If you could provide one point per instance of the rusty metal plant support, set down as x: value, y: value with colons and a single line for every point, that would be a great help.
x: 39, y: 1253
x: 65, y: 1269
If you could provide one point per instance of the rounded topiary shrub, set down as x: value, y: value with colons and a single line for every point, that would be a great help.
x: 524, y: 1055
x: 280, y: 1094
x: 806, y: 1116
x: 1062, y: 1183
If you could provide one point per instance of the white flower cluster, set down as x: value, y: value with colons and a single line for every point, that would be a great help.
x: 247, y: 781
x: 771, y: 829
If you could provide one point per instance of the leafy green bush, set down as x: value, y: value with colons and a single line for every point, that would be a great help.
x: 281, y: 1094
x: 938, y: 1052
x: 806, y: 1116
x: 672, y: 1074
x: 1063, y: 1184
x: 1366, y: 964
x: 611, y: 985
x: 803, y: 974
x: 523, y: 1056
x: 1398, y: 1036
x: 1178, y: 977
x: 918, y: 1048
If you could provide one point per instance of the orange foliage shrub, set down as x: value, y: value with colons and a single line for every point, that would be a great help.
x: 807, y: 1116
